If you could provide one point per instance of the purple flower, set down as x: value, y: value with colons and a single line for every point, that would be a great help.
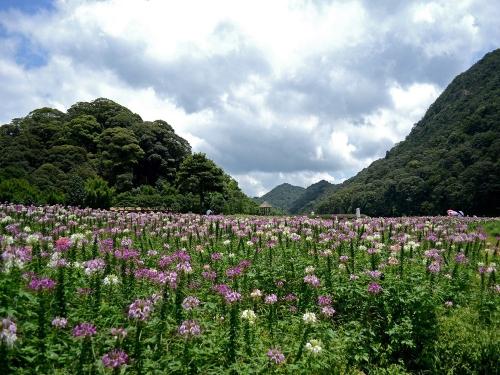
x: 290, y: 297
x: 324, y: 300
x: 276, y: 356
x: 84, y: 330
x: 232, y: 296
x: 312, y: 280
x: 234, y: 272
x: 189, y: 328
x: 328, y: 311
x: 460, y: 258
x: 140, y: 309
x: 115, y: 358
x: 59, y: 322
x: 118, y: 333
x: 209, y: 275
x: 8, y: 330
x: 216, y: 256
x: 43, y: 284
x: 271, y: 299
x: 190, y: 303
x: 94, y: 265
x: 343, y: 259
x: 374, y: 288
x: 434, y: 267
x: 374, y: 274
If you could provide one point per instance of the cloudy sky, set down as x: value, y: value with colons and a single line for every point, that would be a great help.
x: 273, y: 91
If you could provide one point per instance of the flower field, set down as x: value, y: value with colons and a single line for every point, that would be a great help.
x: 101, y: 292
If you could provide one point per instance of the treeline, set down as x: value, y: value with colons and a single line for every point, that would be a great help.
x: 100, y: 154
x: 451, y: 158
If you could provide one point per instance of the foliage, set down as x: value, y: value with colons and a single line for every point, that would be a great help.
x: 84, y: 290
x: 55, y: 153
x: 199, y: 175
x: 97, y: 193
x: 282, y: 196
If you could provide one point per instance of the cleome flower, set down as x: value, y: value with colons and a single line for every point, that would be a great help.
x: 249, y: 315
x: 314, y: 347
x: 309, y: 318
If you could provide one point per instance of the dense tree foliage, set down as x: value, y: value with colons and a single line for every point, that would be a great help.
x: 100, y: 154
x: 305, y: 203
x: 199, y: 175
x: 449, y: 160
x: 282, y: 196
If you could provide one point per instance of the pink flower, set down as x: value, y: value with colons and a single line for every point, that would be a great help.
x: 374, y: 288
x: 63, y: 244
x: 271, y: 299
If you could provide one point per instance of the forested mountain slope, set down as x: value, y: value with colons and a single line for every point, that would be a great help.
x: 451, y: 158
x: 282, y: 196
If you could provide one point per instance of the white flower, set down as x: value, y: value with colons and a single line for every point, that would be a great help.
x: 77, y: 238
x: 309, y: 269
x: 32, y: 239
x: 226, y: 242
x: 249, y: 315
x: 309, y: 318
x: 6, y: 219
x: 314, y: 347
x: 256, y: 293
x: 111, y: 280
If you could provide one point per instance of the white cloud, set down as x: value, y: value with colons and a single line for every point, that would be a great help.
x: 280, y: 91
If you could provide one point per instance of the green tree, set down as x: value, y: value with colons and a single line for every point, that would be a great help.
x: 83, y: 131
x: 19, y: 191
x: 97, y: 193
x: 119, y: 153
x: 75, y: 191
x: 199, y: 175
x: 164, y: 151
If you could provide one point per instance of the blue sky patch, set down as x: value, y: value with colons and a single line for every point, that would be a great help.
x: 26, y: 6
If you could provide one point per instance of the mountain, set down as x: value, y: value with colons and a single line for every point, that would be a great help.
x: 305, y: 202
x: 282, y: 196
x: 101, y: 153
x: 450, y: 159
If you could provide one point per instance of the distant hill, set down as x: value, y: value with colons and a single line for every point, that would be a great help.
x: 451, y: 158
x: 282, y: 196
x: 306, y: 201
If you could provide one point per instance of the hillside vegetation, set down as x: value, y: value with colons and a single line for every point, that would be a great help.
x: 282, y: 196
x: 449, y: 160
x: 100, y: 154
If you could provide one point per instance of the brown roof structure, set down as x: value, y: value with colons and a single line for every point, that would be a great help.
x: 265, y: 205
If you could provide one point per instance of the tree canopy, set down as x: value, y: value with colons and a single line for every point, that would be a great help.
x: 100, y: 153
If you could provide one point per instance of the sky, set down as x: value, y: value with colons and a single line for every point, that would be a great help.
x: 272, y: 91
